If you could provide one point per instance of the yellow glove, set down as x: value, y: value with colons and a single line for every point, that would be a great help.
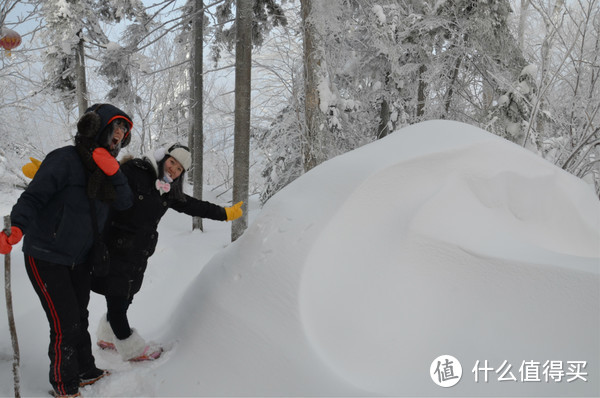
x: 234, y: 211
x: 31, y: 168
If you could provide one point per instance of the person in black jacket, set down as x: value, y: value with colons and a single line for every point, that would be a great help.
x: 131, y: 236
x: 54, y: 215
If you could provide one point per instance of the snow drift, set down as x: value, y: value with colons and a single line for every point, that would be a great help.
x: 439, y: 239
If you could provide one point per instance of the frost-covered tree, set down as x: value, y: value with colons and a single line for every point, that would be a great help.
x: 528, y: 75
x: 119, y: 62
x: 281, y: 145
x: 427, y: 59
x: 65, y: 23
x: 566, y: 118
x: 480, y: 28
x: 74, y: 25
x: 513, y: 109
x: 391, y: 63
x: 267, y: 14
x: 23, y: 131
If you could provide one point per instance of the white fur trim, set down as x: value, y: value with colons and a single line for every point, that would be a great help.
x: 132, y: 347
x: 104, y: 331
x: 159, y: 154
x: 152, y: 160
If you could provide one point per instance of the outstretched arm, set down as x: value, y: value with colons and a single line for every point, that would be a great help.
x: 201, y: 208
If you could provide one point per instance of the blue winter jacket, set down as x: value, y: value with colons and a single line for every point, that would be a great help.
x: 54, y: 211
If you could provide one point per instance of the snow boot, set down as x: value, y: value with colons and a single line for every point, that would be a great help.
x: 105, y: 334
x: 92, y: 376
x: 134, y: 348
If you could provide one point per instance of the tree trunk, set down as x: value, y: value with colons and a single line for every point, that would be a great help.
x: 551, y: 29
x: 241, y: 146
x: 421, y: 92
x: 313, y: 64
x: 81, y: 91
x: 196, y: 90
x: 450, y: 92
x: 522, y: 19
x: 384, y: 119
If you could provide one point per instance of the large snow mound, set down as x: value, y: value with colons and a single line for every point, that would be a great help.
x: 439, y: 239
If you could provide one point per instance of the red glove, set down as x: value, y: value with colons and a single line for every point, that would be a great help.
x: 7, y: 242
x: 107, y: 163
x: 5, y: 247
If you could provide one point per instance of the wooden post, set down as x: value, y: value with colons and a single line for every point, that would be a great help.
x: 9, y: 312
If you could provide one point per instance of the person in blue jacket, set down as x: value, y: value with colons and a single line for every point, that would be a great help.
x: 54, y: 215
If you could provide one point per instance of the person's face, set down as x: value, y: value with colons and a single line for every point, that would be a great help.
x: 173, y: 168
x: 120, y: 129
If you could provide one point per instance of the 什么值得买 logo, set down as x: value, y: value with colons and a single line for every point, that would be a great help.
x: 445, y: 371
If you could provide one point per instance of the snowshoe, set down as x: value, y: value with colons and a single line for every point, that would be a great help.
x: 57, y: 395
x: 150, y: 354
x: 92, y: 376
x: 136, y: 349
x: 105, y: 345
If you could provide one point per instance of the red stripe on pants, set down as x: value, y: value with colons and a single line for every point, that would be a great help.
x: 57, y: 327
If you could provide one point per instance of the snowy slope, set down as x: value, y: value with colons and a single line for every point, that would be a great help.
x: 439, y: 239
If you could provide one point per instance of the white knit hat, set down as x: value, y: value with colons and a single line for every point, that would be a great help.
x: 182, y: 154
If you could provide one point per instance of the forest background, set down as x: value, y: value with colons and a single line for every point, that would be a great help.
x: 326, y: 77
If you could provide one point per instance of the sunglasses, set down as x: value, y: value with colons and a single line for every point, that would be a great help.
x: 122, y: 123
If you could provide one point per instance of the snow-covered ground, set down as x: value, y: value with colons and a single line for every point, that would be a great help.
x: 440, y: 239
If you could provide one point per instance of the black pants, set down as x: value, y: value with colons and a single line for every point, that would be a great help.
x: 64, y: 293
x: 116, y: 314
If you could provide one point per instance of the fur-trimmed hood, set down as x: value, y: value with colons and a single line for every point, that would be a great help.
x: 151, y: 158
x: 97, y: 118
x: 147, y: 159
x: 92, y: 132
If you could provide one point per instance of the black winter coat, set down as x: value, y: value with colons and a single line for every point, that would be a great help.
x: 54, y: 211
x: 131, y: 235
